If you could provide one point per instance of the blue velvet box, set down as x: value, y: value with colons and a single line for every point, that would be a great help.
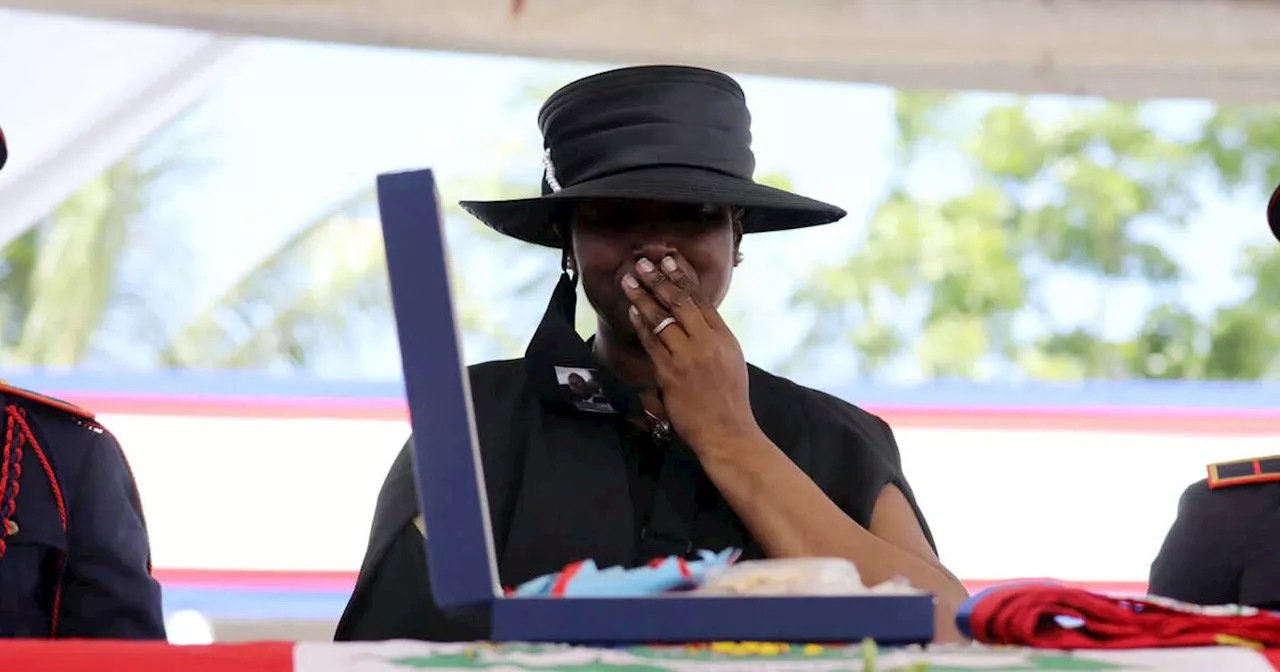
x: 450, y: 482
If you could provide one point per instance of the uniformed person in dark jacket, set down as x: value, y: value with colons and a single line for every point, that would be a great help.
x: 1224, y: 547
x: 74, y: 555
x: 647, y: 192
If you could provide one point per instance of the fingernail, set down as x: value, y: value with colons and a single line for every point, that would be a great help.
x: 630, y: 282
x: 668, y: 264
x: 645, y: 266
x: 635, y: 312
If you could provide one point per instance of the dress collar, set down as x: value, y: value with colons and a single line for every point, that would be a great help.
x: 563, y: 369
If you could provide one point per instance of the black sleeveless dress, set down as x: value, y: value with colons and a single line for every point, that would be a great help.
x: 570, y: 478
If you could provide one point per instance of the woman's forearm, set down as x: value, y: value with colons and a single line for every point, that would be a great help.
x: 790, y: 516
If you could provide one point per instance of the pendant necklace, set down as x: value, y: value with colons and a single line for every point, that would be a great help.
x: 659, y: 429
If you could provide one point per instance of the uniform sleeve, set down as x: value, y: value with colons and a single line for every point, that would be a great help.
x: 108, y: 591
x: 1199, y: 561
x: 1260, y: 576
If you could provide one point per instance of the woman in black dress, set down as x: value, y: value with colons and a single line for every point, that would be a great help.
x: 647, y: 192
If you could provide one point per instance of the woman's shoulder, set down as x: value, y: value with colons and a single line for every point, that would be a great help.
x: 494, y: 384
x: 498, y: 382
x: 505, y: 370
x: 849, y: 452
x: 774, y: 391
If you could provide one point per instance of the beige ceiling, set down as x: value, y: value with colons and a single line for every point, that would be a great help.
x: 60, y: 135
x: 1223, y: 49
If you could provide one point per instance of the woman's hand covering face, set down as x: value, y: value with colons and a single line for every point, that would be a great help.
x: 698, y: 363
x: 609, y: 237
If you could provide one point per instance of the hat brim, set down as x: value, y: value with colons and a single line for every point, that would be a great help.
x: 765, y: 208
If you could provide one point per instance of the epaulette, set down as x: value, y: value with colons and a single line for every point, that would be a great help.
x: 64, y: 406
x: 1240, y: 472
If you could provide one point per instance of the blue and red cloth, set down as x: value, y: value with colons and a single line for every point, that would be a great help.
x: 584, y: 579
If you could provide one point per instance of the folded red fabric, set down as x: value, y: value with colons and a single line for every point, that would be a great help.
x: 1051, y: 616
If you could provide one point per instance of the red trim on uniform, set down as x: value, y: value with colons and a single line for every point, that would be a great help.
x: 10, y: 459
x: 1216, y: 483
x: 1216, y: 480
x: 90, y: 421
x: 48, y: 470
x: 133, y: 482
x: 17, y: 434
x: 59, y: 404
x: 62, y: 514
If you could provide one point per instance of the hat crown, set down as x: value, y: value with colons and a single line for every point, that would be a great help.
x: 643, y: 117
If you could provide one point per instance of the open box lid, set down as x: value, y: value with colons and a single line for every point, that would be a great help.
x: 449, y: 477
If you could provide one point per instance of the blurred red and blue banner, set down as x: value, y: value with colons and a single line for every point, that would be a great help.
x: 259, y: 489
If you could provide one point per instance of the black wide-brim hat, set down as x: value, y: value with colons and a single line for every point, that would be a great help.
x: 662, y: 133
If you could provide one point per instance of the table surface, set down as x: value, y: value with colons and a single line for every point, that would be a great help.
x: 39, y: 656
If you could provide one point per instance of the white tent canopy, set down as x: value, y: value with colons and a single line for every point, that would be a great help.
x: 65, y: 122
x: 1221, y: 49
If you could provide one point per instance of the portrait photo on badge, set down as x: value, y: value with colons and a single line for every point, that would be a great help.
x: 583, y: 390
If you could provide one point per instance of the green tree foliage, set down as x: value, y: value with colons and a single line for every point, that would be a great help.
x: 47, y: 315
x: 320, y: 292
x: 1036, y: 206
x: 62, y: 282
x: 1066, y: 204
x: 1242, y: 144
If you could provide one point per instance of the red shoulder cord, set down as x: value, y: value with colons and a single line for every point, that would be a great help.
x: 1027, y: 616
x: 17, y: 435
